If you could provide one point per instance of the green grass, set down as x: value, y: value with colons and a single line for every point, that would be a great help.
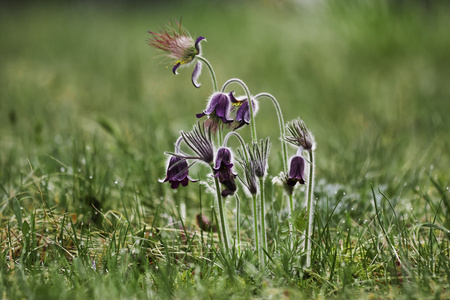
x: 87, y: 112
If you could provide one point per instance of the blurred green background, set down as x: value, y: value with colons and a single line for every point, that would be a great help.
x: 81, y: 91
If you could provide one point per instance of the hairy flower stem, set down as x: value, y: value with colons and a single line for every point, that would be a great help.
x: 220, y: 135
x: 291, y: 209
x: 250, y: 104
x: 177, y: 144
x: 238, y: 224
x: 255, y: 226
x: 280, y: 125
x: 263, y: 220
x: 310, y: 209
x: 223, y: 227
x: 211, y: 71
x: 240, y: 139
x: 283, y: 146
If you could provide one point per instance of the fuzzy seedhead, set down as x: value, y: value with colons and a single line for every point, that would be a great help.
x: 299, y: 135
x: 199, y: 141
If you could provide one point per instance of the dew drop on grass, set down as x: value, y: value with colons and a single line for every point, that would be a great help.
x: 90, y: 177
x: 116, y: 182
x: 62, y: 169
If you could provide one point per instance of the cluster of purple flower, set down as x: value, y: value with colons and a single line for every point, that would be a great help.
x: 224, y: 110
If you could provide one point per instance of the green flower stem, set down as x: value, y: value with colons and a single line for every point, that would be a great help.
x: 255, y: 226
x: 310, y: 209
x: 220, y: 135
x: 241, y: 141
x: 291, y: 209
x: 238, y: 224
x: 250, y: 104
x: 211, y: 71
x: 280, y: 125
x: 223, y: 228
x: 263, y: 219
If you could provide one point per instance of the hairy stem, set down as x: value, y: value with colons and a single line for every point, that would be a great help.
x: 222, y: 225
x: 310, y: 209
x: 238, y: 224
x: 211, y: 71
x: 280, y: 126
x: 263, y: 219
x: 255, y: 226
x: 241, y: 141
x: 291, y: 209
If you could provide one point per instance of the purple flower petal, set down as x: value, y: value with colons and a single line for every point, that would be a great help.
x: 174, y: 69
x: 223, y: 157
x: 177, y: 172
x: 215, y: 99
x: 197, y: 43
x: 223, y: 109
x: 296, y: 170
x: 226, y: 193
x: 223, y: 171
x: 196, y: 74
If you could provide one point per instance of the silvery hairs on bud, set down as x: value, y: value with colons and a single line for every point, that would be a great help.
x: 299, y: 135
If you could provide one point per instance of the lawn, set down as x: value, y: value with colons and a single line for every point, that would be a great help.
x: 89, y: 112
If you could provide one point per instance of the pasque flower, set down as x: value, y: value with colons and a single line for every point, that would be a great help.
x: 243, y: 110
x: 223, y: 171
x: 296, y: 171
x: 177, y: 172
x: 179, y: 46
x: 218, y: 109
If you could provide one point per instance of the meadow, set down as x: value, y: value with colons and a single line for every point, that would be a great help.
x: 88, y: 110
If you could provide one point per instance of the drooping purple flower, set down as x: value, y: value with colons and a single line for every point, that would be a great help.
x: 223, y: 171
x: 218, y: 108
x: 177, y: 172
x: 243, y: 110
x: 296, y: 171
x: 179, y: 46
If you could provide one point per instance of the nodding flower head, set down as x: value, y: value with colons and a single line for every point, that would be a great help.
x: 199, y: 141
x: 179, y: 47
x: 243, y: 110
x: 222, y: 170
x: 177, y: 172
x: 299, y: 135
x: 296, y: 171
x: 218, y: 109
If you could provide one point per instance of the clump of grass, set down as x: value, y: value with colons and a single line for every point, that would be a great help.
x: 81, y: 213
